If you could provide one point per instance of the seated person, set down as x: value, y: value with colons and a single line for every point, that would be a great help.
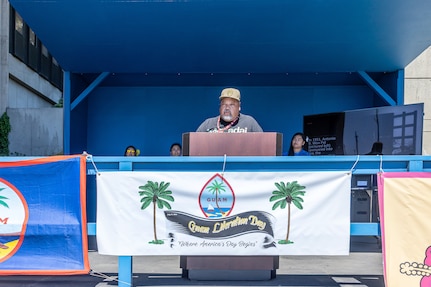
x: 298, y: 145
x: 230, y: 119
x: 377, y: 149
x: 131, y: 151
x: 175, y: 149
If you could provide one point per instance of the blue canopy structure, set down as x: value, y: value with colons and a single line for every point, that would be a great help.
x: 205, y: 36
x: 143, y: 72
x: 215, y: 43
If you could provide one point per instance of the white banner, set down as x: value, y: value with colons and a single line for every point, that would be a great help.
x: 238, y: 213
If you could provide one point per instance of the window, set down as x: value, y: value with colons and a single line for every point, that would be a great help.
x: 20, y: 35
x: 26, y: 46
x: 33, y: 50
x: 56, y: 75
x: 45, y: 63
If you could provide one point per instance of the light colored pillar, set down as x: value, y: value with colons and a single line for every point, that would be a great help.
x: 4, y: 52
x: 417, y: 89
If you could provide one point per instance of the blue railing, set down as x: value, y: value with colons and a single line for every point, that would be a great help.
x: 355, y: 164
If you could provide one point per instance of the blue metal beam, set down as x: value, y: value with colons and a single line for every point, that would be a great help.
x: 415, y: 165
x: 400, y: 87
x: 89, y: 89
x: 365, y: 229
x: 373, y: 85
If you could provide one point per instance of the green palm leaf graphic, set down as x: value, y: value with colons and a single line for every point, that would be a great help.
x: 159, y: 195
x: 216, y: 188
x: 286, y: 194
x: 2, y: 200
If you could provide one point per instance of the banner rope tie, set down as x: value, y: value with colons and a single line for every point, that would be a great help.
x: 224, y: 166
x: 381, y: 163
x: 89, y: 157
x: 354, y: 165
x: 105, y: 276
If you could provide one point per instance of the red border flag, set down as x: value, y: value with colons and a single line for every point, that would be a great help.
x: 42, y: 216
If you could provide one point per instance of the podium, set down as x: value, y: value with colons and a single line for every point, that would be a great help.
x: 231, y: 144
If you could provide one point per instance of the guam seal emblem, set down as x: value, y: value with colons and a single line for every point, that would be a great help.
x: 13, y: 219
x: 217, y: 198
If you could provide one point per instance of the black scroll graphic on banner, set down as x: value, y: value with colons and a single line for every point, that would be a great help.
x: 222, y: 228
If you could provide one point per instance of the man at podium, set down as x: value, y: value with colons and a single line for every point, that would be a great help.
x: 230, y: 119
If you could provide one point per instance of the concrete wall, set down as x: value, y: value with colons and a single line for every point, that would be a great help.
x: 417, y: 89
x: 36, y: 126
x: 36, y: 132
x: 26, y: 89
x: 4, y: 51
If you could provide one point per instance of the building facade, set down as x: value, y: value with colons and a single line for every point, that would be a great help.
x: 30, y: 89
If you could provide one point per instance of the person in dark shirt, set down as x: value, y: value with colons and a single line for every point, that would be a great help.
x: 377, y: 149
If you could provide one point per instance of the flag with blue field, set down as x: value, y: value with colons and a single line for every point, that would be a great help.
x: 42, y: 216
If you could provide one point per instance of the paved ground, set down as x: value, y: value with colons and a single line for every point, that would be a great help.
x: 362, y: 268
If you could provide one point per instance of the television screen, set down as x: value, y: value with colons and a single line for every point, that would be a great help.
x: 325, y: 133
x: 391, y: 130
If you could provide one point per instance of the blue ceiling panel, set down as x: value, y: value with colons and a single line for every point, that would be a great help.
x: 220, y: 36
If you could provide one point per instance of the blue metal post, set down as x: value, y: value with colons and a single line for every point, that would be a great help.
x: 125, y: 263
x: 125, y: 271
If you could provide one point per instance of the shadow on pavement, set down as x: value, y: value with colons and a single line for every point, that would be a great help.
x: 142, y: 279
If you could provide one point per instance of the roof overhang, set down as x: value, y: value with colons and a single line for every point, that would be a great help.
x: 220, y: 36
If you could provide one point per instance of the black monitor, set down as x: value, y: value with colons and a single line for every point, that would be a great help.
x: 392, y: 130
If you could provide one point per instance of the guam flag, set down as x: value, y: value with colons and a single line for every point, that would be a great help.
x: 42, y: 216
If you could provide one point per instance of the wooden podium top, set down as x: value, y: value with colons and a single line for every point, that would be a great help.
x: 232, y: 144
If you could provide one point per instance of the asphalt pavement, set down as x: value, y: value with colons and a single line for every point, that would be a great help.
x: 361, y: 268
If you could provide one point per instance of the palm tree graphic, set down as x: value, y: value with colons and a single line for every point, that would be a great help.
x: 216, y: 188
x: 157, y: 194
x: 285, y: 195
